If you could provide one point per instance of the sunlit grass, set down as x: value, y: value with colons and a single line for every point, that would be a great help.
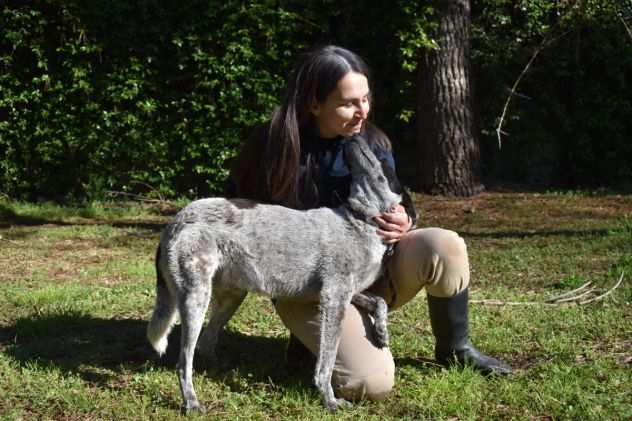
x: 77, y: 286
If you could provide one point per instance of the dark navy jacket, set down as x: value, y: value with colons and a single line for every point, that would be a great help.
x: 331, y: 184
x: 334, y: 179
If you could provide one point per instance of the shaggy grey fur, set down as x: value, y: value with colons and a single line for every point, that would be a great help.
x: 218, y: 250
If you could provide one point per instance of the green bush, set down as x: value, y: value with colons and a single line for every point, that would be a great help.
x: 154, y: 96
x: 118, y: 95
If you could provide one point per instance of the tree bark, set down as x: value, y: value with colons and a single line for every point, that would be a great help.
x: 447, y: 145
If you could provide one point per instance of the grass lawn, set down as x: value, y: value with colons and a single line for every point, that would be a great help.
x: 77, y: 286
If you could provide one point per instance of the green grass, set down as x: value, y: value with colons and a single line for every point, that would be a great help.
x: 77, y: 285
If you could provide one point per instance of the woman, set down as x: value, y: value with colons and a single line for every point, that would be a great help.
x: 297, y: 161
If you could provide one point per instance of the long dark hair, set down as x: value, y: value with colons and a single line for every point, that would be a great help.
x: 314, y: 77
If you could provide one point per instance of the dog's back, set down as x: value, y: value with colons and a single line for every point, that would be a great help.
x: 271, y: 249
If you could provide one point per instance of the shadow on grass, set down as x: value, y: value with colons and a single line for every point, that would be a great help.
x: 8, y: 217
x: 101, y: 351
x: 424, y: 365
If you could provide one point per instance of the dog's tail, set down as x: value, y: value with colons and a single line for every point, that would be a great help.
x: 164, y: 316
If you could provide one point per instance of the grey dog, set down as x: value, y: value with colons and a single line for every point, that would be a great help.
x: 218, y: 250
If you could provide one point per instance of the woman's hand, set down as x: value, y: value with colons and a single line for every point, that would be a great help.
x: 393, y: 225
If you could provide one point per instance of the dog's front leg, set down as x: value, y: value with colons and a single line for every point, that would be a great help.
x: 378, y: 308
x: 332, y: 308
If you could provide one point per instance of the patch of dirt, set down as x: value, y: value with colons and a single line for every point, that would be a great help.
x: 57, y: 260
x: 524, y: 361
x: 24, y: 254
x: 524, y: 211
x: 623, y: 351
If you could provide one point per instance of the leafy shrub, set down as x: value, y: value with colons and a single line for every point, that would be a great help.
x: 120, y: 95
x: 154, y: 96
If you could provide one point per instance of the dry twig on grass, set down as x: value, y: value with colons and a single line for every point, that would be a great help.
x: 133, y: 196
x: 606, y: 293
x: 579, y: 295
x: 141, y: 198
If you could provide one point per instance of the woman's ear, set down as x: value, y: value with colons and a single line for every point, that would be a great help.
x: 315, y: 108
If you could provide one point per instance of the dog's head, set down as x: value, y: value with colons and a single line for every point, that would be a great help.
x: 370, y: 192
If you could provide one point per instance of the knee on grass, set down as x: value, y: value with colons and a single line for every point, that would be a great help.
x: 374, y: 386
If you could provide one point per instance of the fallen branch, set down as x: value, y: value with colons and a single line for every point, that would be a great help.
x: 569, y: 293
x: 494, y: 302
x: 151, y: 188
x: 592, y: 300
x: 575, y: 296
x: 139, y: 197
x: 133, y: 196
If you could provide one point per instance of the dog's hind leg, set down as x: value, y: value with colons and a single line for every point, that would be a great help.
x: 194, y: 293
x: 164, y: 314
x: 377, y: 307
x: 224, y: 303
x: 193, y: 304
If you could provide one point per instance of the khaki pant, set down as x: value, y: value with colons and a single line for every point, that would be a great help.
x: 433, y: 258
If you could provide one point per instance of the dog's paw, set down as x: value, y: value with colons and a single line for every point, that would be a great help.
x: 193, y: 408
x: 381, y: 337
x: 382, y: 343
x: 335, y: 404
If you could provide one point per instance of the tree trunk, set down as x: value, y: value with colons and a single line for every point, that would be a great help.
x: 448, y: 147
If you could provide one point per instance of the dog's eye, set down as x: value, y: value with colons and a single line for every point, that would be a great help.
x: 381, y: 179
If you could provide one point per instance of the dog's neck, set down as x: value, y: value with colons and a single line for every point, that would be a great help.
x: 370, y: 194
x: 359, y: 215
x: 366, y: 201
x: 362, y: 214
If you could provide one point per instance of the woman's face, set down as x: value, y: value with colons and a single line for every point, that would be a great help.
x: 345, y: 109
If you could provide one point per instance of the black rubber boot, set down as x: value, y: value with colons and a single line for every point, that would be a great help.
x: 450, y: 326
